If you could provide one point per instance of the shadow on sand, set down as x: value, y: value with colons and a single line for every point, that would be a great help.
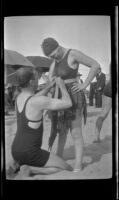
x: 94, y: 150
x: 91, y: 114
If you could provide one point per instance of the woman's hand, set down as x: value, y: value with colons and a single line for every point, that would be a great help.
x: 47, y: 87
x: 78, y: 87
x: 51, y: 83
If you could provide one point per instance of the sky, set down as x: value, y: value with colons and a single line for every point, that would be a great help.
x: 89, y: 34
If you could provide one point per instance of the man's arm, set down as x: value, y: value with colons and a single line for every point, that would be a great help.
x: 81, y: 58
x: 46, y: 103
x: 51, y: 71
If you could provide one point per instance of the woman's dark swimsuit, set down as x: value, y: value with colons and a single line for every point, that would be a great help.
x: 26, y: 147
x: 61, y: 120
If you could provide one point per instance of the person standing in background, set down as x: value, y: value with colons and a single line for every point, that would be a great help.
x: 92, y: 93
x: 7, y: 100
x: 79, y: 78
x: 99, y: 87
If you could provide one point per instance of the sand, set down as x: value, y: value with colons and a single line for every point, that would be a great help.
x: 97, y: 159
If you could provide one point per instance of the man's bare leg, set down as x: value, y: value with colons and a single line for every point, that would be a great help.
x: 106, y: 107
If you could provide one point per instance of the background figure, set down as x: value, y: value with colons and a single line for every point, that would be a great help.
x: 92, y: 93
x: 79, y: 78
x: 7, y: 101
x: 99, y: 87
x: 106, y: 107
x: 10, y: 96
x: 15, y: 94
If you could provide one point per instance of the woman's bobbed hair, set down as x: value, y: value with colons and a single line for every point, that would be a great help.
x: 24, y: 75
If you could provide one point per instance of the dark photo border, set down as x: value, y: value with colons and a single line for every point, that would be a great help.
x: 81, y: 189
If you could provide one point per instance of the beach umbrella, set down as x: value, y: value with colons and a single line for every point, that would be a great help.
x: 14, y: 58
x: 42, y: 63
x: 12, y: 62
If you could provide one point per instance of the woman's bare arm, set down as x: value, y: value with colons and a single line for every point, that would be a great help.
x: 46, y: 103
x: 47, y: 88
x: 81, y: 58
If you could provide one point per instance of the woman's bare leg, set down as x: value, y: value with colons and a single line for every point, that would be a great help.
x: 76, y: 133
x: 53, y: 165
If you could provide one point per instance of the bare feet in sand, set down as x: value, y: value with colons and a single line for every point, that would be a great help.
x: 77, y: 167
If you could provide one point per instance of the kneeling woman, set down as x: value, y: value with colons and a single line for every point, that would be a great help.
x: 26, y: 147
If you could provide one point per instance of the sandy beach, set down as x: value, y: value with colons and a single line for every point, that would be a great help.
x: 97, y: 159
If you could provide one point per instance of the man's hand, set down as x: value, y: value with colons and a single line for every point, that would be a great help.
x: 78, y: 87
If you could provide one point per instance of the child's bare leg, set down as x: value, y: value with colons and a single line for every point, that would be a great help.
x: 99, y: 123
x: 106, y: 107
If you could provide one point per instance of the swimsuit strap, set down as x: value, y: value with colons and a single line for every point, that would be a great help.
x: 36, y: 120
x: 24, y: 104
x: 24, y: 110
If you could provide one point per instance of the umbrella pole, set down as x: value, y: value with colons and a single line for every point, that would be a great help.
x: 12, y: 74
x: 5, y: 76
